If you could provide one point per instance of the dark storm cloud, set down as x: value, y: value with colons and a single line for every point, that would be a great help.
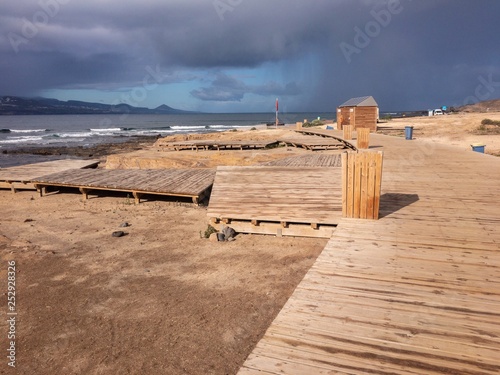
x: 406, y: 53
x: 226, y: 88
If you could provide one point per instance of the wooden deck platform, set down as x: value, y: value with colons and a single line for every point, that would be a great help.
x: 416, y: 292
x: 309, y: 160
x: 215, y: 145
x: 20, y: 177
x: 313, y: 143
x: 192, y: 183
x: 296, y: 201
x: 332, y: 134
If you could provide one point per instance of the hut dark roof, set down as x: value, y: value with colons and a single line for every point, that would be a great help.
x: 364, y: 101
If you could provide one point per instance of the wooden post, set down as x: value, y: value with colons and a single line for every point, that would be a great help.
x: 85, y: 192
x: 347, y: 132
x: 361, y: 184
x: 363, y: 138
x: 298, y: 125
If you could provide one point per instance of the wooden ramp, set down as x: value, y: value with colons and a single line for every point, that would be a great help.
x: 316, y: 143
x: 214, y: 145
x: 416, y: 292
x: 21, y: 177
x: 192, y: 183
x: 332, y: 134
x: 295, y: 201
x: 309, y: 160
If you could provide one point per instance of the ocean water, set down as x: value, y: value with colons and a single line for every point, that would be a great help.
x: 30, y: 132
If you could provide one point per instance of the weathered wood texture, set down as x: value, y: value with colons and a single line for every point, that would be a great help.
x: 416, y: 292
x: 313, y: 143
x: 359, y: 117
x: 347, y: 131
x: 336, y: 135
x: 305, y: 195
x: 363, y: 138
x: 361, y: 184
x: 20, y: 177
x: 173, y: 182
x: 309, y: 160
x: 213, y: 145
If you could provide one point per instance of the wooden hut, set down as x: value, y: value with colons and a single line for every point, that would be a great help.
x: 360, y: 112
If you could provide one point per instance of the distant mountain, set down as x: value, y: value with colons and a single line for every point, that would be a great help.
x: 13, y: 105
x: 486, y: 106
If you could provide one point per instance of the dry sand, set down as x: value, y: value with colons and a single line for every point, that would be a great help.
x: 160, y: 300
x: 460, y: 130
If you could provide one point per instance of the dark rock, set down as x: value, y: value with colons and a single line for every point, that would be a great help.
x: 118, y: 233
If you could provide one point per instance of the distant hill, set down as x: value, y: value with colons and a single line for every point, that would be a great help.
x: 486, y: 106
x: 13, y: 105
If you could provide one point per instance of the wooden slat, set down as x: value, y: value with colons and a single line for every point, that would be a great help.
x: 363, y: 138
x: 21, y: 177
x: 309, y: 160
x: 29, y: 172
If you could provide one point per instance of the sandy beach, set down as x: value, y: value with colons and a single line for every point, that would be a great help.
x: 162, y: 299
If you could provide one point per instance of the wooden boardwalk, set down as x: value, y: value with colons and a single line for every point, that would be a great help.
x: 192, y: 183
x: 214, y: 145
x: 278, y: 200
x: 20, y: 177
x: 331, y: 134
x: 313, y: 143
x: 416, y: 292
x: 309, y: 160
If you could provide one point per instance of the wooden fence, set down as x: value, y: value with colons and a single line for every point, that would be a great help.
x: 361, y: 184
x: 347, y: 132
x: 363, y: 138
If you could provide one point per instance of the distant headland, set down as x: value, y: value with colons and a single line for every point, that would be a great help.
x: 14, y: 105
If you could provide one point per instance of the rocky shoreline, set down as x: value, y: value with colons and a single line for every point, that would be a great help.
x: 94, y: 151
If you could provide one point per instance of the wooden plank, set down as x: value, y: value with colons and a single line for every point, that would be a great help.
x: 21, y: 177
x: 347, y: 132
x: 363, y: 138
x: 278, y: 229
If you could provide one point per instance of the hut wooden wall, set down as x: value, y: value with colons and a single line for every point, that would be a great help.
x: 361, y: 117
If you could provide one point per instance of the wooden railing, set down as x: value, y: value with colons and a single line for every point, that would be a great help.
x: 361, y: 184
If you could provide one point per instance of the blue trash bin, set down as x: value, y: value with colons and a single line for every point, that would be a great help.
x: 329, y: 127
x: 409, y: 132
x: 478, y: 147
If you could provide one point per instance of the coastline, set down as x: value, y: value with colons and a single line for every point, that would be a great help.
x: 32, y: 154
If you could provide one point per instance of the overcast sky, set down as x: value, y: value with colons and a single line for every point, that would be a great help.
x: 239, y: 55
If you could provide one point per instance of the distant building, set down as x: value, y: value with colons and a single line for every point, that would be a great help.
x: 360, y: 112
